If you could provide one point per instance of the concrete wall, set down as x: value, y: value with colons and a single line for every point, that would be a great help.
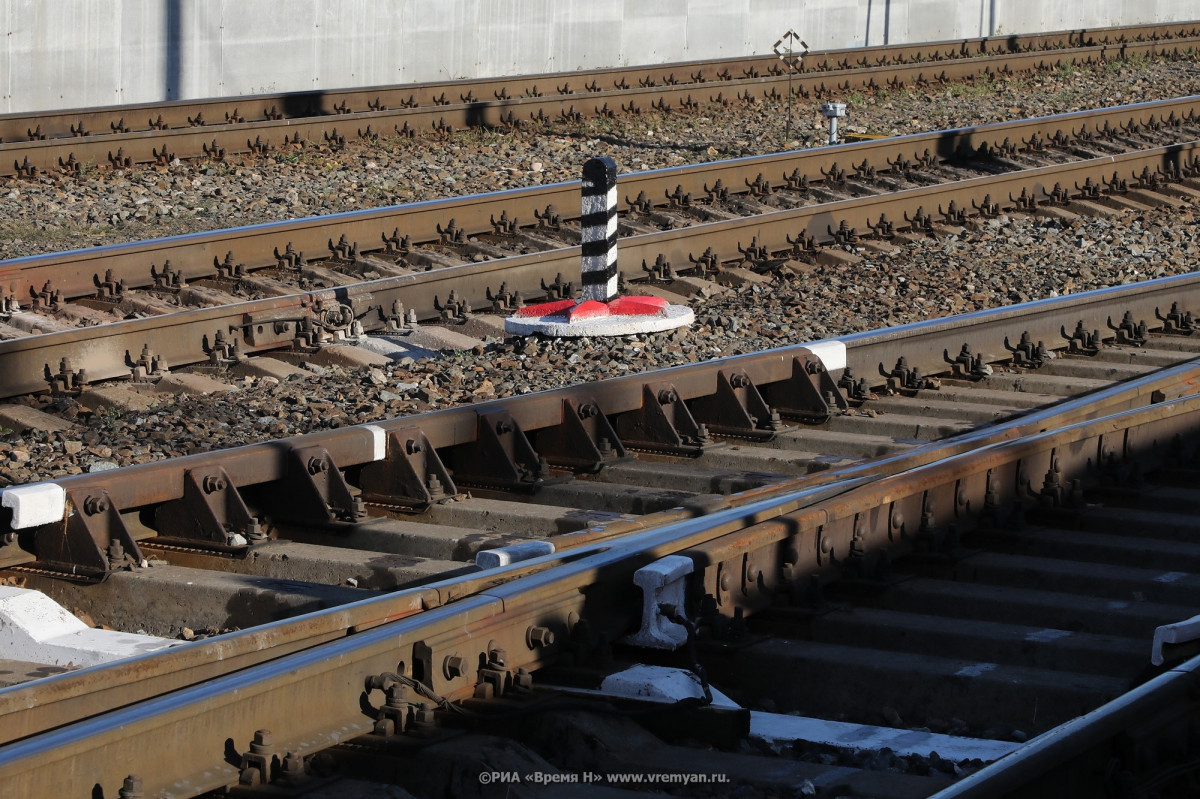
x: 74, y: 53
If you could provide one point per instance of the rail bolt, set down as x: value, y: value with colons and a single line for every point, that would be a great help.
x: 263, y: 743
x: 454, y: 666
x: 132, y: 788
x: 212, y: 484
x: 293, y: 767
x: 317, y: 465
x: 95, y: 505
x: 539, y: 636
x: 423, y: 715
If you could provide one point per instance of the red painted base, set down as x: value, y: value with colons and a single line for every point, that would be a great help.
x: 572, y: 311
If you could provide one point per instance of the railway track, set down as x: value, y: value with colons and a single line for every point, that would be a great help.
x: 918, y: 521
x: 218, y: 128
x: 264, y: 289
x: 750, y: 467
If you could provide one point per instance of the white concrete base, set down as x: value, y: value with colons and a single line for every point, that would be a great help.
x: 777, y: 728
x: 394, y: 347
x: 513, y: 553
x: 673, y: 316
x: 35, y: 628
x: 661, y: 683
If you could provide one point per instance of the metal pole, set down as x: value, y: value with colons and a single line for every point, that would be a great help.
x: 787, y: 128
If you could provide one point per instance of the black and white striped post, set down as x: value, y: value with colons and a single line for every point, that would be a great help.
x: 598, y: 220
x: 599, y: 311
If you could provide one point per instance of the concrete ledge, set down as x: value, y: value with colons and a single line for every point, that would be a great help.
x: 778, y: 728
x: 188, y: 383
x: 35, y: 628
x: 117, y: 397
x: 263, y: 366
x: 22, y: 418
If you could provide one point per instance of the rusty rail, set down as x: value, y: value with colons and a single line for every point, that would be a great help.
x: 218, y: 141
x: 31, y: 709
x: 80, y: 122
x: 274, y: 323
x: 76, y: 273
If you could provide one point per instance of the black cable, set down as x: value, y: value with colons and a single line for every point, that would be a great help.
x: 672, y: 614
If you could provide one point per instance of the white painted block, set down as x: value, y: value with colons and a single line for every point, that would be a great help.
x: 34, y: 504
x: 662, y: 582
x: 514, y: 553
x: 660, y: 682
x: 832, y: 353
x: 35, y: 628
x: 378, y: 441
x: 395, y: 347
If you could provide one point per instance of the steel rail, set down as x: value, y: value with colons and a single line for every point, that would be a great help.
x: 76, y: 273
x: 121, y: 149
x: 1030, y: 770
x: 80, y: 122
x: 261, y: 325
x: 69, y: 123
x: 179, y: 743
x: 49, y: 703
